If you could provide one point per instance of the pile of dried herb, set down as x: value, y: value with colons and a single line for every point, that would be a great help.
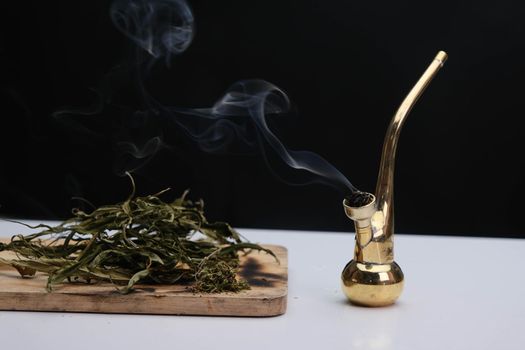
x: 143, y: 239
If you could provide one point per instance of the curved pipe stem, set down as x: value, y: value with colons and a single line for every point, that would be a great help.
x: 385, y: 181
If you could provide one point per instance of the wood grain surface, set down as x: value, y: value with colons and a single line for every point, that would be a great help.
x: 267, y: 297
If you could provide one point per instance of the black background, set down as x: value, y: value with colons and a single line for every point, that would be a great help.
x: 346, y: 66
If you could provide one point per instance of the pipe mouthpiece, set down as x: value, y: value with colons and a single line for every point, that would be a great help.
x: 441, y: 57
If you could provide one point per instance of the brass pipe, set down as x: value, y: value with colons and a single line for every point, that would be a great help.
x: 372, y: 278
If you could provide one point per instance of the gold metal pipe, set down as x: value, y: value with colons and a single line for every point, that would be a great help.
x: 373, y: 278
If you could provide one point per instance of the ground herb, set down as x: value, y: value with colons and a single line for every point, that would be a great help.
x: 142, y: 239
x: 358, y: 199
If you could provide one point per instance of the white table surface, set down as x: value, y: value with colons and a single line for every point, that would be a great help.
x: 460, y: 293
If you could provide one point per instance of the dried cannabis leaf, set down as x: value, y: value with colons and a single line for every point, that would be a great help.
x: 143, y: 240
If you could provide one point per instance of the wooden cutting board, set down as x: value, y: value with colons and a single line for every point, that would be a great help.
x: 267, y: 297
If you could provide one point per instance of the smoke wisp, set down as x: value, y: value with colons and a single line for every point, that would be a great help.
x: 236, y: 124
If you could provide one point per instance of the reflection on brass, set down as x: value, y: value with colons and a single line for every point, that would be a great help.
x: 372, y: 278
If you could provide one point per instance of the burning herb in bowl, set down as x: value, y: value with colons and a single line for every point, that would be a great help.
x: 359, y: 199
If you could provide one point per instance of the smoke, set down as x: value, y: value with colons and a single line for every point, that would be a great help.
x: 236, y: 124
x: 239, y: 119
x: 160, y: 27
x: 133, y: 157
